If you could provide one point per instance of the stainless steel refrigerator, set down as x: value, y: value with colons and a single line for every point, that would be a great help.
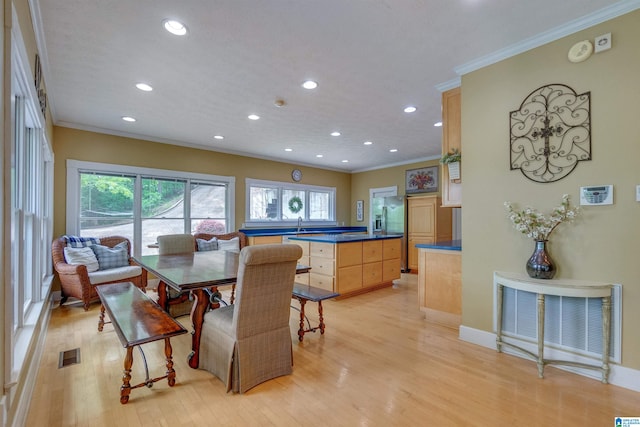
x: 388, y: 217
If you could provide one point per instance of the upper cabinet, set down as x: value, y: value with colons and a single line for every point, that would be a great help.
x: 451, y: 138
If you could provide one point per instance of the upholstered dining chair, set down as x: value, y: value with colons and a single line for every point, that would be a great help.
x: 171, y: 244
x: 249, y: 342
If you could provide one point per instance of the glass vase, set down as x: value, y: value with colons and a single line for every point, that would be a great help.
x: 540, y: 265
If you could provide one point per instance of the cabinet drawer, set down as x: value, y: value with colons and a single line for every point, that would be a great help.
x: 371, y: 274
x: 390, y: 270
x: 349, y: 278
x: 263, y: 240
x: 349, y: 254
x: 302, y: 278
x: 391, y: 248
x: 303, y: 245
x: 304, y: 260
x: 321, y: 281
x: 322, y: 266
x: 372, y: 251
x: 317, y: 249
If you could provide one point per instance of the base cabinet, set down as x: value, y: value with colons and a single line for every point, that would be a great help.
x: 354, y: 267
x: 440, y: 286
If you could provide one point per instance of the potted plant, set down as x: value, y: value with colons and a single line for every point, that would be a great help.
x: 452, y: 160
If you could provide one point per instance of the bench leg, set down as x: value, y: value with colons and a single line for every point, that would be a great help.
x: 101, y: 318
x: 171, y: 374
x: 125, y: 389
x: 321, y: 325
x: 302, y: 317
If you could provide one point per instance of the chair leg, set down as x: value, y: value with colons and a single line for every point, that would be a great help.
x: 233, y: 294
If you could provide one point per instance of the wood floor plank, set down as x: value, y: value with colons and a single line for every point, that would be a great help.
x: 379, y: 363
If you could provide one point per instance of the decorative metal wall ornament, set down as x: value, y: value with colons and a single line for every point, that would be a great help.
x: 550, y: 133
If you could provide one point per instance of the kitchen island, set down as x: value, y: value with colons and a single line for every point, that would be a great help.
x: 440, y: 282
x: 350, y: 264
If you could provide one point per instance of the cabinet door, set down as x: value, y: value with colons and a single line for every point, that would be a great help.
x: 372, y: 251
x: 422, y: 213
x: 371, y: 274
x: 390, y: 270
x: 412, y: 252
x: 349, y: 254
x: 349, y: 279
x: 451, y: 138
x: 391, y: 248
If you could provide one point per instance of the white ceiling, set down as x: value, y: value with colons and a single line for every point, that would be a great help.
x: 371, y: 58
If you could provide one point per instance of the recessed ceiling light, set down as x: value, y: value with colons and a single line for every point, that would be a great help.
x: 368, y: 143
x: 253, y: 117
x: 128, y: 119
x: 345, y: 161
x: 288, y: 149
x: 410, y: 109
x: 310, y: 84
x: 319, y: 155
x: 144, y: 87
x: 174, y: 27
x: 218, y: 137
x: 335, y: 133
x: 393, y: 150
x: 437, y: 124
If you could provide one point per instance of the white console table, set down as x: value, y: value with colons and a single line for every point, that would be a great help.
x: 557, y: 287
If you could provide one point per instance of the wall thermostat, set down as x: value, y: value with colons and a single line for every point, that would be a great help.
x: 596, y: 195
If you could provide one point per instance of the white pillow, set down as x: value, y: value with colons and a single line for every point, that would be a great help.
x: 229, y: 245
x: 84, y: 256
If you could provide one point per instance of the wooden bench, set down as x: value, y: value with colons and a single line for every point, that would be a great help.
x: 304, y: 293
x: 137, y: 320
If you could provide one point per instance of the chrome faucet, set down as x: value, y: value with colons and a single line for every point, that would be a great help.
x: 299, y: 223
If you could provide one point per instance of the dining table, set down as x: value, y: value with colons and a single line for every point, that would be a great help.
x: 199, y: 273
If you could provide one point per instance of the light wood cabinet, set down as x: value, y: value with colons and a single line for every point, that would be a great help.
x: 264, y: 240
x: 351, y: 268
x: 451, y: 138
x: 440, y: 286
x: 427, y: 222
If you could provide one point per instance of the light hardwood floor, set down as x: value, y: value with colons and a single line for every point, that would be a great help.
x: 378, y: 364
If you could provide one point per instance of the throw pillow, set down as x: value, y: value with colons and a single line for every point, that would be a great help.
x: 80, y: 242
x: 207, y: 245
x: 118, y: 256
x: 84, y: 256
x: 229, y: 245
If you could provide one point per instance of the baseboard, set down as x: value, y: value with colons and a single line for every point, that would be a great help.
x: 619, y: 375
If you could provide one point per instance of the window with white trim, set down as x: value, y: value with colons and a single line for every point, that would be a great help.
x: 143, y: 203
x: 281, y: 203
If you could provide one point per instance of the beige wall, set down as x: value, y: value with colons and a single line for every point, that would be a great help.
x: 605, y: 242
x: 361, y: 183
x: 94, y: 147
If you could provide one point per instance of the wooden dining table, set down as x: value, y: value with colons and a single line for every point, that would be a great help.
x: 198, y: 273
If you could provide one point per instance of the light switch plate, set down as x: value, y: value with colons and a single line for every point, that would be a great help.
x: 637, y: 193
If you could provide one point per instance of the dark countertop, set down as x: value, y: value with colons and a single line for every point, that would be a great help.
x: 448, y: 245
x: 346, y: 238
x: 250, y: 232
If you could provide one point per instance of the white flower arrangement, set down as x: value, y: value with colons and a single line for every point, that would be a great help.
x: 538, y: 226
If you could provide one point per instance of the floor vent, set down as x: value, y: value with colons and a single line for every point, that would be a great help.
x: 69, y: 357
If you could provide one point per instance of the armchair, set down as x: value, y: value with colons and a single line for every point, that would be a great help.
x: 76, y: 281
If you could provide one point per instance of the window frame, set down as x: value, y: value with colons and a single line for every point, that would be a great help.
x: 280, y: 186
x: 76, y: 167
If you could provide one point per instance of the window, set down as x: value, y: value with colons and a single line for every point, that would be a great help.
x: 27, y: 243
x: 270, y: 202
x: 141, y: 203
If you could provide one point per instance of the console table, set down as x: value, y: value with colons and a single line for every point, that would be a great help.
x: 557, y: 287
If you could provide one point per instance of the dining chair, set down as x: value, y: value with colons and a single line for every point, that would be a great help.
x: 249, y: 342
x: 178, y: 304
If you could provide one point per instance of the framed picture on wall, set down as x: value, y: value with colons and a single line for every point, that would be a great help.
x: 360, y: 210
x: 422, y: 180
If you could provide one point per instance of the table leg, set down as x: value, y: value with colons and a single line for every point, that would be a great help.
x: 301, y: 330
x: 101, y: 318
x: 171, y: 373
x: 606, y: 331
x: 125, y: 389
x: 499, y: 299
x: 540, y: 335
x: 163, y: 298
x: 197, y: 319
